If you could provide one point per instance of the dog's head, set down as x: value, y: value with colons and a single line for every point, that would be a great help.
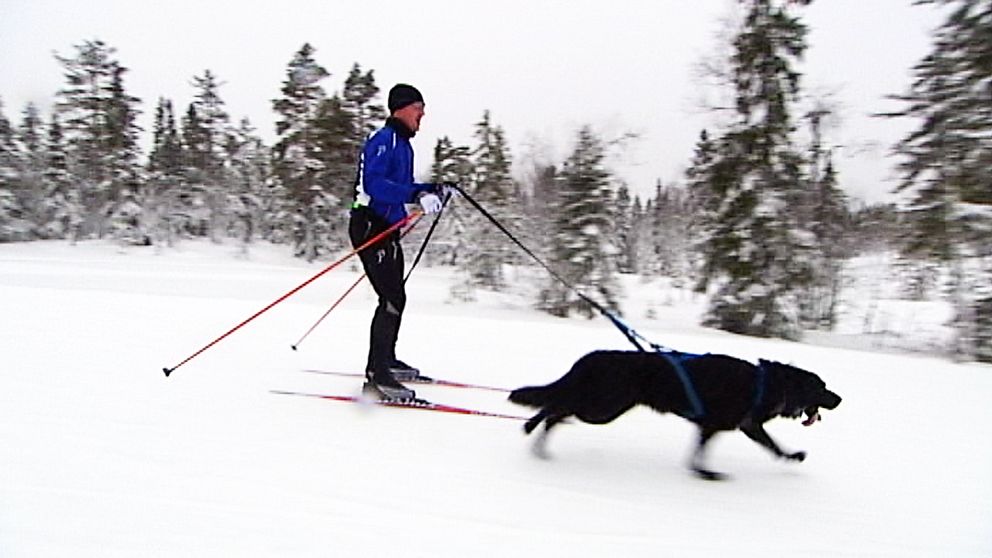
x: 804, y: 392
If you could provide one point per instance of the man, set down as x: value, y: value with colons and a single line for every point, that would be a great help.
x: 384, y: 186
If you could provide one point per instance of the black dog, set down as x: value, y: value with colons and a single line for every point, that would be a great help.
x: 716, y: 392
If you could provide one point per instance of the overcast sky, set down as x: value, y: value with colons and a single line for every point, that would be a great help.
x: 543, y: 68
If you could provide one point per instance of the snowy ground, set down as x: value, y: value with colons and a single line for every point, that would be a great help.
x: 101, y: 455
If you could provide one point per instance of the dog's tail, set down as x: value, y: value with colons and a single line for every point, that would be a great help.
x: 533, y: 396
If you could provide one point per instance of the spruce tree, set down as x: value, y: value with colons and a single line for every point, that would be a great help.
x: 13, y: 226
x: 451, y: 242
x: 127, y: 215
x: 668, y: 224
x: 192, y: 210
x: 583, y: 252
x: 336, y: 148
x: 825, y: 212
x: 166, y: 177
x: 297, y: 156
x: 98, y: 120
x: 704, y: 203
x: 66, y: 209
x: 301, y: 99
x: 493, y: 187
x: 757, y: 253
x: 358, y: 99
x: 213, y: 125
x: 32, y: 190
x: 249, y: 171
x: 209, y: 133
x: 628, y: 230
x: 344, y: 123
x: 945, y: 165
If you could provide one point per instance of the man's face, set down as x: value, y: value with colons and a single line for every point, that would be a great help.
x: 411, y: 115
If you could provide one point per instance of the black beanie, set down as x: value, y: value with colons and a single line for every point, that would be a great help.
x: 402, y: 95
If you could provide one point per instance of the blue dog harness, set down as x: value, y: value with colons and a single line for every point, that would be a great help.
x: 676, y: 359
x: 759, y: 387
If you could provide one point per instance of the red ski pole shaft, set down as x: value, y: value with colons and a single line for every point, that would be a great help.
x: 294, y: 346
x: 329, y: 310
x: 344, y: 258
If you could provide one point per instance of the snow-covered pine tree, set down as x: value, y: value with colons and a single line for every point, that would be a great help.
x: 484, y: 253
x: 667, y: 222
x: 99, y: 123
x: 128, y: 222
x: 704, y: 203
x: 63, y: 203
x: 628, y: 230
x: 874, y: 228
x: 359, y: 101
x: 340, y: 127
x: 583, y: 249
x: 297, y: 162
x: 946, y: 161
x: 757, y: 253
x: 249, y: 172
x: 207, y: 134
x: 13, y: 225
x: 32, y: 190
x: 828, y: 218
x: 166, y: 175
x: 192, y: 211
x: 333, y: 132
x: 452, y: 163
x: 542, y: 205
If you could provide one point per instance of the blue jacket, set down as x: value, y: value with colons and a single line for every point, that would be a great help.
x: 385, y: 172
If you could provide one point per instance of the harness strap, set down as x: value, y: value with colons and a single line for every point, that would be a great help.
x: 760, y: 382
x: 691, y: 394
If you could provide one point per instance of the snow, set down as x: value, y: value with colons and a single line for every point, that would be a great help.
x: 101, y: 455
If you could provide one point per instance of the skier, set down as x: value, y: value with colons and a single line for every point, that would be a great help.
x: 383, y: 186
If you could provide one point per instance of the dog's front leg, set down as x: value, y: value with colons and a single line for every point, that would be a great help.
x: 698, y: 457
x: 756, y: 431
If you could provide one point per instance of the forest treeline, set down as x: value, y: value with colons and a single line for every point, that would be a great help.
x: 759, y: 223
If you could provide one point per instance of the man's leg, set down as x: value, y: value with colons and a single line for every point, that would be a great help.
x: 385, y: 272
x: 383, y: 263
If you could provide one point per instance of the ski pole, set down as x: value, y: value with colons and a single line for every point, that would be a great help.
x: 370, y: 242
x: 430, y: 232
x: 346, y: 293
x: 329, y: 310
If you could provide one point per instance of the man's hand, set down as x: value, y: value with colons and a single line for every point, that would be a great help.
x: 431, y: 203
x: 445, y: 190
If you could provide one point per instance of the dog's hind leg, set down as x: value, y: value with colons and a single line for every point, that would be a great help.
x: 535, y: 420
x: 540, y: 446
x: 698, y: 457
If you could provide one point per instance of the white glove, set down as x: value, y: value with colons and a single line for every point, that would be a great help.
x: 431, y: 203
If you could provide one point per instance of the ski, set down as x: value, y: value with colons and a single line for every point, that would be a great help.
x: 420, y: 380
x: 421, y: 404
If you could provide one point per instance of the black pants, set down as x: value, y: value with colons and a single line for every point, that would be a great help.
x: 383, y: 263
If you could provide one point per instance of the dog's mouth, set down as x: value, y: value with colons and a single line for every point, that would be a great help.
x: 812, y: 416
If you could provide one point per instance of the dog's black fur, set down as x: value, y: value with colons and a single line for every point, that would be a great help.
x: 735, y: 394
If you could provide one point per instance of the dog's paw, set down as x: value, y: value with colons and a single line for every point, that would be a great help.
x: 539, y: 448
x: 797, y: 456
x: 706, y: 474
